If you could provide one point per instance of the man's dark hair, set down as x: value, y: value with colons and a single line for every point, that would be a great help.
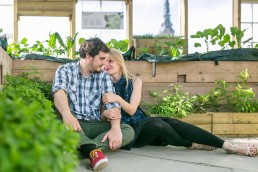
x: 92, y: 47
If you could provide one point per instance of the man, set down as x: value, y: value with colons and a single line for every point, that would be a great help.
x: 77, y: 89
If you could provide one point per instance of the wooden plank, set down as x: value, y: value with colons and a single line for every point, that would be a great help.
x: 198, y: 119
x: 207, y: 71
x: 46, y: 1
x: 44, y: 6
x: 235, y: 118
x: 143, y: 70
x: 235, y: 129
x: 201, y: 71
x: 205, y: 127
x: 204, y: 73
x: 45, y: 13
x: 39, y: 64
x: 139, y: 68
x: 44, y: 75
x: 191, y: 88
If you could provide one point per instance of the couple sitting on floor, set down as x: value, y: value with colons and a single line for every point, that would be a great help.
x: 80, y: 90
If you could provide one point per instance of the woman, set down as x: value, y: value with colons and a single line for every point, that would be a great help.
x: 157, y: 130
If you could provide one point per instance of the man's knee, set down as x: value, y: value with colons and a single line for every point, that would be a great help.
x: 128, y: 133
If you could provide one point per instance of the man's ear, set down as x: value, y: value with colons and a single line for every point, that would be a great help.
x: 88, y: 58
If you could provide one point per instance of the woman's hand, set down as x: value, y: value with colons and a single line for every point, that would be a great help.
x: 109, y: 97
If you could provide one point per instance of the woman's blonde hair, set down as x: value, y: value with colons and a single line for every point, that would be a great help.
x: 117, y: 56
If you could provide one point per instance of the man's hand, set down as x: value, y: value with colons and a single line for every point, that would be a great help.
x: 71, y: 122
x: 114, y: 135
x: 113, y: 113
x: 61, y: 104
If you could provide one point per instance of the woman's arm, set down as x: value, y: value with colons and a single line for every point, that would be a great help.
x: 129, y: 108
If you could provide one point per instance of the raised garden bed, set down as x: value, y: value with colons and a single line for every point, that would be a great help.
x: 226, y: 124
x: 199, y: 77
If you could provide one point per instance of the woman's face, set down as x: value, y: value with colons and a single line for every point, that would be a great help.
x: 111, y: 66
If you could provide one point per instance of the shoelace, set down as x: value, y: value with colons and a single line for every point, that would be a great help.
x: 93, y: 153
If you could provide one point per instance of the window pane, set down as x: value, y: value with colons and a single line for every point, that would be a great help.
x: 107, y: 6
x: 6, y: 2
x: 38, y: 28
x: 255, y: 36
x: 148, y: 16
x: 6, y: 18
x: 255, y: 12
x: 246, y: 12
x: 248, y: 31
x: 207, y: 14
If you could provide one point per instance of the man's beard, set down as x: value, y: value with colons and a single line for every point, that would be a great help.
x: 98, y: 71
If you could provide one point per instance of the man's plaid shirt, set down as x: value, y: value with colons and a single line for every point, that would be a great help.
x: 84, y: 94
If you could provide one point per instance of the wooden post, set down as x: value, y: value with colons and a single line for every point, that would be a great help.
x: 72, y: 30
x: 129, y: 22
x: 236, y: 13
x: 184, y: 22
x: 15, y: 24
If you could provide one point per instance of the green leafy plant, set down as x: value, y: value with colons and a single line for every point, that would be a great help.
x: 219, y: 36
x: 173, y: 47
x: 175, y: 104
x: 208, y: 36
x: 121, y: 45
x: 63, y: 47
x: 238, y: 34
x: 224, y: 97
x: 218, y: 96
x: 31, y: 138
x: 33, y: 83
x: 81, y: 40
x: 144, y: 50
x: 176, y: 47
x: 243, y: 98
x: 54, y: 46
x: 15, y: 50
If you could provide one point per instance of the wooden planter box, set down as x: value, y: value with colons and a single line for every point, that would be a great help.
x: 199, y: 79
x: 226, y: 124
x: 152, y: 43
x: 5, y: 65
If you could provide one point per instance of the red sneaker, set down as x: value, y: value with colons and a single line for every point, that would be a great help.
x: 97, y: 159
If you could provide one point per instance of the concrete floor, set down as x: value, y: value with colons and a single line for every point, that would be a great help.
x: 176, y: 159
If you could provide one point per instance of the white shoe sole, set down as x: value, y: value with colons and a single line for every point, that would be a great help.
x: 100, y: 164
